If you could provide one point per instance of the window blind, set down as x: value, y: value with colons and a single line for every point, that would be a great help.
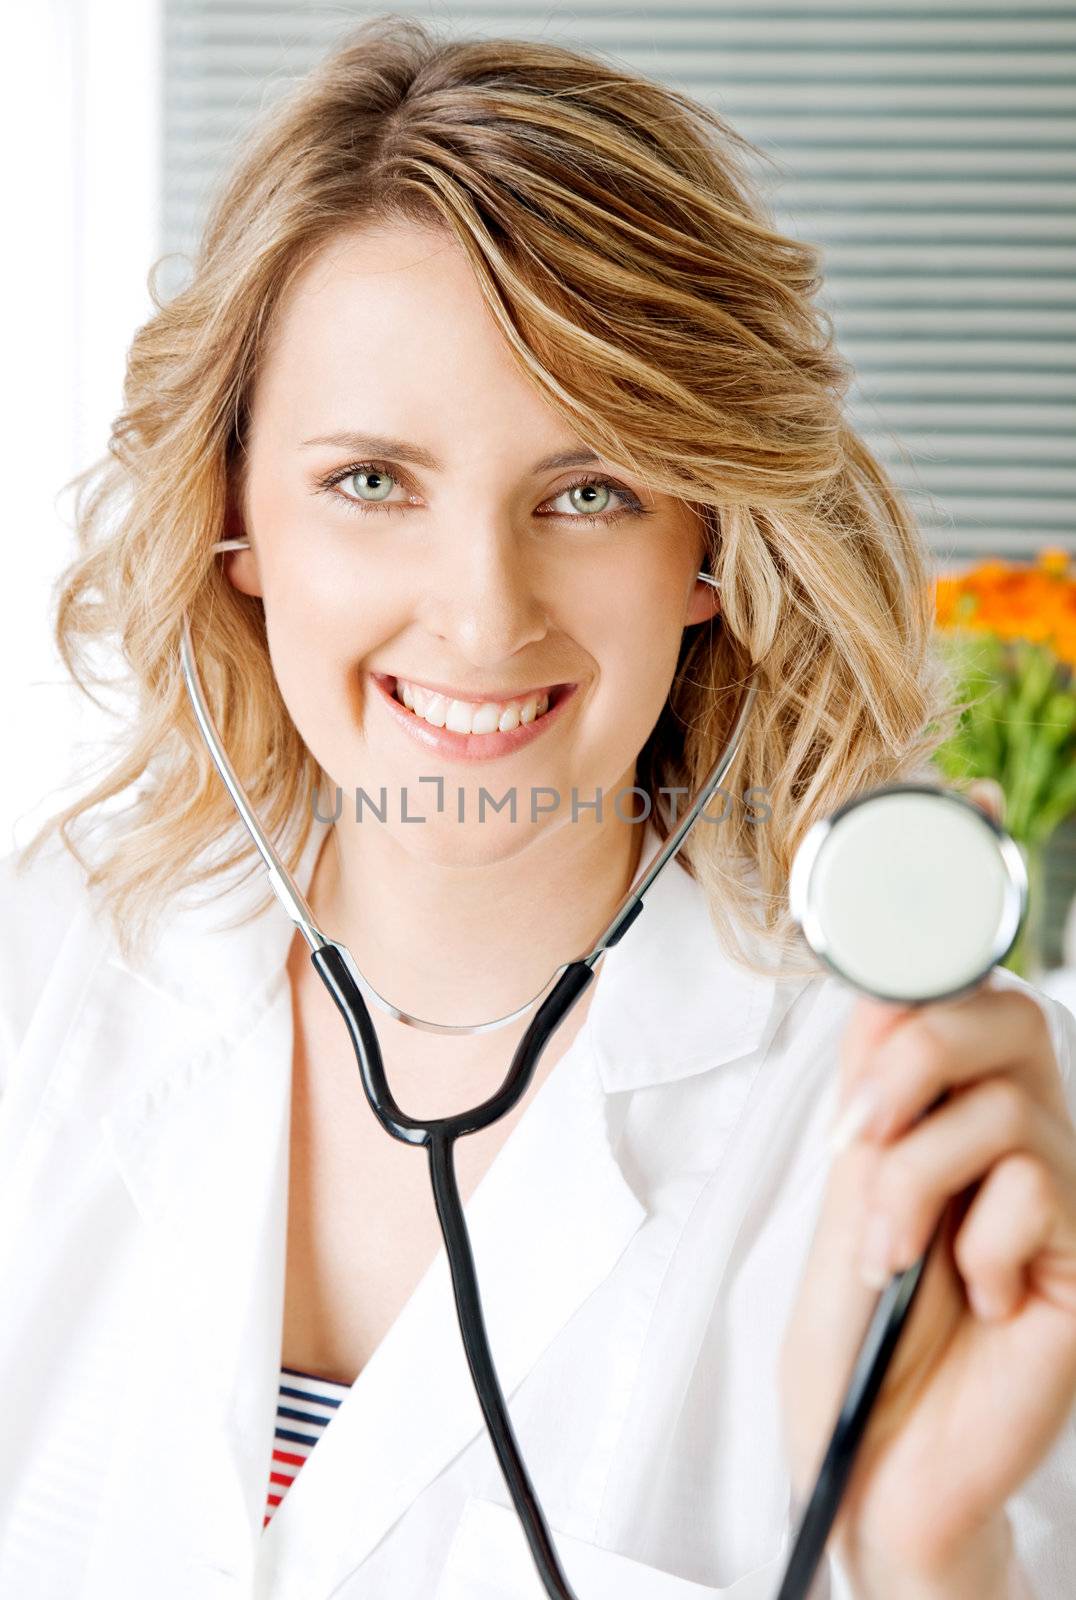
x: 928, y: 146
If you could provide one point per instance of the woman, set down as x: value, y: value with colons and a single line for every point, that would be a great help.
x: 490, y: 350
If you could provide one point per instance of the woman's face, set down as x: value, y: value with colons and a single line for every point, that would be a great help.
x: 469, y: 570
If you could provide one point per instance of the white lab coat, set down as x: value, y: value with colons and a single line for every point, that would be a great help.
x: 638, y: 1239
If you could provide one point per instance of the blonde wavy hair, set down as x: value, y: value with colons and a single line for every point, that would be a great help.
x: 643, y: 287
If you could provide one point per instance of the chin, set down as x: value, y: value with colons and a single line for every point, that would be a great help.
x: 443, y: 841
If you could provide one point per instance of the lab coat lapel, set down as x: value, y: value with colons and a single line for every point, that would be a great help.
x: 206, y: 1166
x: 201, y: 1144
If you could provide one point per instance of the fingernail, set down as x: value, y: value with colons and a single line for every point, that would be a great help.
x: 854, y: 1117
x: 874, y: 1253
x: 989, y: 796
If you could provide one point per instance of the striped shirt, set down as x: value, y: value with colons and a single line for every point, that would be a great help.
x: 305, y: 1405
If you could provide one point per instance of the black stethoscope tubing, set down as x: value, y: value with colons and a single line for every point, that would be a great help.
x: 439, y: 1137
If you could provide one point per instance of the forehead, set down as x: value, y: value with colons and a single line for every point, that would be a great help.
x: 378, y: 251
x: 385, y: 329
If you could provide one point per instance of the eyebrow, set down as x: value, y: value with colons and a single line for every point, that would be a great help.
x: 403, y: 450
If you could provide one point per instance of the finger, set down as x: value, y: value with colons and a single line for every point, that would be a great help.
x: 952, y: 1043
x: 869, y: 1022
x: 989, y: 796
x: 1011, y: 1221
x: 952, y: 1147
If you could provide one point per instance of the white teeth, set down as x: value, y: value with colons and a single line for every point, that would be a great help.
x: 435, y: 710
x: 486, y: 718
x: 461, y: 716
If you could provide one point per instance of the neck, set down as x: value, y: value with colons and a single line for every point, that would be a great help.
x: 467, y: 943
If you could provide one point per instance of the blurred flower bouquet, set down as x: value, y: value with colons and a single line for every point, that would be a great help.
x: 1009, y: 633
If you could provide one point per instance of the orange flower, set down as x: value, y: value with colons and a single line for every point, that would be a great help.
x: 1014, y: 601
x: 1054, y: 560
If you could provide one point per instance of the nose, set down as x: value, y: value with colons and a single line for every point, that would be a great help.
x: 480, y: 595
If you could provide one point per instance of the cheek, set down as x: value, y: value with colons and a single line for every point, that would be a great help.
x: 317, y: 637
x: 320, y: 621
x: 635, y: 671
x: 635, y: 641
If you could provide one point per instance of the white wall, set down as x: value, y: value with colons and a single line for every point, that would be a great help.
x: 79, y: 127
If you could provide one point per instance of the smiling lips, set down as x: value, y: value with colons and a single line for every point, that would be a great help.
x: 470, y: 716
x: 471, y: 730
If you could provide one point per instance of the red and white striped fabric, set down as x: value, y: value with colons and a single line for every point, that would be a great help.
x: 305, y: 1405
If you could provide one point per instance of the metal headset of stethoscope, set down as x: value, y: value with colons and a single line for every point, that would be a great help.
x: 337, y: 970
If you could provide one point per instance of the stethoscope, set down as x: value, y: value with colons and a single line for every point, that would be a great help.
x: 851, y: 873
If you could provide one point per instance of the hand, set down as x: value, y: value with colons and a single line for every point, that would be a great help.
x: 984, y: 1375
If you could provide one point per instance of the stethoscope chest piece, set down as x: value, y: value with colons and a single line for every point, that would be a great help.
x: 909, y: 893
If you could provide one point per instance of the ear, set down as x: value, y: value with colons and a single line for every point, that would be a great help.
x: 705, y: 603
x: 240, y: 566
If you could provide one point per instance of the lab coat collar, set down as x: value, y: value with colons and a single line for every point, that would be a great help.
x: 670, y: 1003
x: 216, y: 956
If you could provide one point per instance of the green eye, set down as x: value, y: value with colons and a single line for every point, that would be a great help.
x: 582, y: 496
x: 591, y: 498
x: 379, y: 484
